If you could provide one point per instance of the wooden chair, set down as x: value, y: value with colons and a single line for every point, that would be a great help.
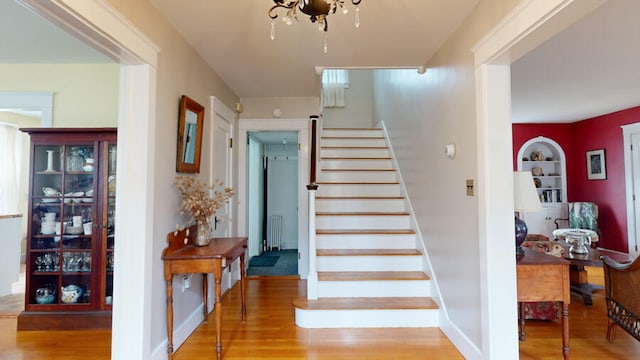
x: 622, y: 294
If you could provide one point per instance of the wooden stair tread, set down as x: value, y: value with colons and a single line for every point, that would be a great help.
x: 371, y: 275
x: 366, y: 303
x: 364, y: 197
x: 354, y: 147
x: 338, y: 170
x: 401, y: 213
x: 367, y: 252
x: 364, y: 232
x: 367, y: 138
x: 355, y: 158
x: 358, y: 183
x: 365, y: 129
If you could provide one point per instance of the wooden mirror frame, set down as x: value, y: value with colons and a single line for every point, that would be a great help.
x: 191, y: 115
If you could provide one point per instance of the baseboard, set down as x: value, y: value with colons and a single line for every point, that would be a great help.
x: 180, y: 334
x: 462, y: 343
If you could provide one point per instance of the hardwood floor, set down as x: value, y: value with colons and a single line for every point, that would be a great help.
x: 270, y: 333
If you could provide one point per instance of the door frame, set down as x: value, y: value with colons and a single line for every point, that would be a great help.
x: 302, y: 127
x: 100, y: 26
x: 632, y: 227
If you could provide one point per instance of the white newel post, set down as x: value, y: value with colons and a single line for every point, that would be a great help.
x: 312, y: 278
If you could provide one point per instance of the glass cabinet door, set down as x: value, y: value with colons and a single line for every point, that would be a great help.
x: 110, y: 225
x: 62, y: 243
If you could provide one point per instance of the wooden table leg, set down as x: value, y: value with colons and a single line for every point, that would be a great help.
x: 205, y: 295
x: 521, y: 321
x: 168, y: 279
x: 217, y: 275
x: 565, y: 330
x: 243, y: 289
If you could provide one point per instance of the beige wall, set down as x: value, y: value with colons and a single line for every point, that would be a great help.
x: 423, y: 113
x: 84, y: 95
x: 290, y: 107
x: 180, y: 71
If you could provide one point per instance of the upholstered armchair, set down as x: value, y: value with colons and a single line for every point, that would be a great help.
x: 542, y: 310
x: 622, y: 294
x: 582, y: 215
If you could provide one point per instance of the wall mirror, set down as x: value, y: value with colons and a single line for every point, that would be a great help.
x: 190, y: 124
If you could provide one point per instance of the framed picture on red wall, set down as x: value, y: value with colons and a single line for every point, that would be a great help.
x: 596, y: 165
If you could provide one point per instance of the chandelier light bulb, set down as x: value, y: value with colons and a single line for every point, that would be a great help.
x: 325, y: 47
x: 345, y: 11
x: 357, y: 18
x: 273, y: 30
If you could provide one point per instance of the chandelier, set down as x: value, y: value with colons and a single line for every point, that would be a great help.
x: 318, y: 10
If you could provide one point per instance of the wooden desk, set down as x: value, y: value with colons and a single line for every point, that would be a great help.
x: 543, y: 277
x: 182, y: 257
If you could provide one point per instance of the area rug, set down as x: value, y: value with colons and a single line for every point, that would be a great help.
x: 263, y: 261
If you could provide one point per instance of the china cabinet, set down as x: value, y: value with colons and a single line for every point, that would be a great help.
x: 71, y: 233
x: 546, y: 161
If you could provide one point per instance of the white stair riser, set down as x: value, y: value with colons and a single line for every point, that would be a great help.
x: 374, y: 288
x: 371, y: 205
x: 356, y: 164
x: 365, y: 142
x: 356, y: 176
x: 351, y: 133
x: 392, y: 189
x: 367, y: 318
x: 396, y: 222
x: 369, y: 263
x: 361, y: 241
x: 354, y: 153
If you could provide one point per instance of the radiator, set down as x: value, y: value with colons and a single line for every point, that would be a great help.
x: 275, y: 233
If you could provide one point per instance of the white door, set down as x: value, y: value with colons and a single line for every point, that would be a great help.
x: 635, y: 161
x: 221, y: 137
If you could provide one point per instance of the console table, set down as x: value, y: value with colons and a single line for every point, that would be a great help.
x: 543, y: 277
x: 182, y: 257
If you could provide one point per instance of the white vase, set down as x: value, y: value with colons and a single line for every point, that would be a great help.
x: 203, y: 237
x: 50, y: 161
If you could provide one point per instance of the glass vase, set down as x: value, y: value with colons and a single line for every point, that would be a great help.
x: 203, y: 237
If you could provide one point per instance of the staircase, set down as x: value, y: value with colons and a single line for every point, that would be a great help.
x: 370, y: 272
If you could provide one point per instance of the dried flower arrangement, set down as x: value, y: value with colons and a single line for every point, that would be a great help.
x: 196, y: 203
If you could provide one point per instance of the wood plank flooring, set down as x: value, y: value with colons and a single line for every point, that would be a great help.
x: 270, y: 333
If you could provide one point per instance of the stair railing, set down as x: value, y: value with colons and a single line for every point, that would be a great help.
x: 312, y: 277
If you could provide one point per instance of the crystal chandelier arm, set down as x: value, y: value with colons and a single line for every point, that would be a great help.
x: 285, y: 4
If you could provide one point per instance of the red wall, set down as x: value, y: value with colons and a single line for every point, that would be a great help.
x: 602, y: 132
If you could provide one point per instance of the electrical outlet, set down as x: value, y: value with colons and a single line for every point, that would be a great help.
x: 186, y: 282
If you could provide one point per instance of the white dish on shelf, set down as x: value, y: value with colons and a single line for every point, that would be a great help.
x: 74, y: 230
x: 87, y: 200
x: 50, y: 200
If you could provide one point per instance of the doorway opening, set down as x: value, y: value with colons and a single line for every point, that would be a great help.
x: 272, y: 159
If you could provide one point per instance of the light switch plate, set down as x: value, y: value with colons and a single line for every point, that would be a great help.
x: 470, y: 191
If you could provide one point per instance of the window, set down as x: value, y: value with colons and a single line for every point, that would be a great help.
x: 334, y: 83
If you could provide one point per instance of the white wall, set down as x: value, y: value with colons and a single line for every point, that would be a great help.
x: 358, y: 111
x: 84, y: 95
x: 423, y: 113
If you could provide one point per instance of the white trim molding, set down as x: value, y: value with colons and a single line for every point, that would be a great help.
x: 632, y: 230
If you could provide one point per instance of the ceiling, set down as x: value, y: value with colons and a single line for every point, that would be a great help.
x: 585, y: 71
